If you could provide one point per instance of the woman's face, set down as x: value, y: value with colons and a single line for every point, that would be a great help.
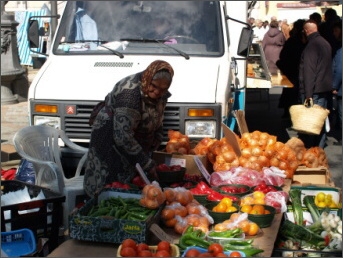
x: 158, y: 88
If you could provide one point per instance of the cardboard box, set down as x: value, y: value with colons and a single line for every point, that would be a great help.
x: 313, y: 190
x: 316, y: 176
x: 186, y: 161
x: 108, y: 229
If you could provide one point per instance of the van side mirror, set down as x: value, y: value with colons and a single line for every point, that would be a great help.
x: 245, y: 41
x: 33, y: 34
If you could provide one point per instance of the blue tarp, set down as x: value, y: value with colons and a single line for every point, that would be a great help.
x: 22, y: 17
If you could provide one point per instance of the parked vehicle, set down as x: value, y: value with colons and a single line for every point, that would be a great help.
x: 97, y: 43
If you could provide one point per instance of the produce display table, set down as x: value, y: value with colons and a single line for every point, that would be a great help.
x: 77, y: 248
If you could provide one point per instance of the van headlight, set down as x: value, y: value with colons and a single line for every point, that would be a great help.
x: 47, y: 120
x: 200, y: 128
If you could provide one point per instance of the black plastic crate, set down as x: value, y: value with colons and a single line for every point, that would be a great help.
x: 44, y: 221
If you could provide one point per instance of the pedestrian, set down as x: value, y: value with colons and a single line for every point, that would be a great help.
x: 128, y: 127
x: 285, y: 28
x: 288, y: 64
x: 326, y: 28
x: 259, y: 30
x: 272, y: 44
x: 266, y: 25
x: 315, y: 76
x: 316, y: 17
x: 337, y: 77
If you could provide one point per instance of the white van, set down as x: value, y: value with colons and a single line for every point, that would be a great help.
x: 97, y: 43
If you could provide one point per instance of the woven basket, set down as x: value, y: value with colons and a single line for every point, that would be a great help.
x: 308, y: 120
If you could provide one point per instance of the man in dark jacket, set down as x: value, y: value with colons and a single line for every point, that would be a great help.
x: 315, y: 75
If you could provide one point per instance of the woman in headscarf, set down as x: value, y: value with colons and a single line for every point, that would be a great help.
x: 127, y: 128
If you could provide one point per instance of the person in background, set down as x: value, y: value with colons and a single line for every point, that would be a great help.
x: 315, y: 76
x: 272, y: 44
x: 337, y: 76
x: 266, y: 25
x: 127, y: 128
x: 251, y: 22
x: 326, y: 28
x: 285, y: 28
x: 316, y: 17
x: 259, y: 30
x: 288, y: 64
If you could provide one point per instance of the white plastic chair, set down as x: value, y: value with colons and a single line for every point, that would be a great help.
x: 40, y: 145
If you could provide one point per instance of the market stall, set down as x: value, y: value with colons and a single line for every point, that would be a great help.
x: 206, y: 206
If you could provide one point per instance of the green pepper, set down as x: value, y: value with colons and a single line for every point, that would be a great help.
x: 252, y: 251
x: 189, y: 239
x: 101, y: 212
x: 136, y: 216
x: 227, y: 233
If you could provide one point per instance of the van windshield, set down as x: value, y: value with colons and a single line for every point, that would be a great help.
x: 140, y: 27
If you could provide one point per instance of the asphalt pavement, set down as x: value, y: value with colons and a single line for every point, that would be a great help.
x: 261, y: 113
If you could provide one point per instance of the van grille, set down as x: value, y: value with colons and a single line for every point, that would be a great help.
x: 77, y: 126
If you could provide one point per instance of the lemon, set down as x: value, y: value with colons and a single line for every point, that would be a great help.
x: 258, y: 195
x: 321, y: 204
x: 333, y: 205
x: 320, y: 197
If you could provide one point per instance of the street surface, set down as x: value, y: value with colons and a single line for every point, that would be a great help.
x: 260, y: 115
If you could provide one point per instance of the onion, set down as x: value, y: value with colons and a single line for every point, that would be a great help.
x: 253, y: 142
x: 283, y: 165
x: 256, y: 151
x: 264, y: 161
x: 220, y: 159
x: 182, y: 150
x: 229, y: 156
x: 246, y: 152
x: 274, y: 162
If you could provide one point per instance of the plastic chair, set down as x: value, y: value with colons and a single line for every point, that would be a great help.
x: 40, y: 145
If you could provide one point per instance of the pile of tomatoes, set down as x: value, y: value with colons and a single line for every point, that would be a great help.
x: 214, y: 250
x: 130, y: 248
x: 263, y: 187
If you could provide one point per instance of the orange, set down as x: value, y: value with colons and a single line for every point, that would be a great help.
x: 244, y: 225
x: 231, y: 209
x: 234, y: 216
x: 221, y: 207
x: 246, y: 208
x: 227, y: 201
x: 253, y: 229
x: 266, y: 212
x: 257, y: 209
x: 219, y: 227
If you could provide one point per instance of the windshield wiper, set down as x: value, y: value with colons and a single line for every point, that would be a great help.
x: 102, y: 42
x: 160, y: 41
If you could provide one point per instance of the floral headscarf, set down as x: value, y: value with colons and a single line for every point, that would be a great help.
x: 151, y: 70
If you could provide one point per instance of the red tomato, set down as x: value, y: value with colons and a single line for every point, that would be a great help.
x: 141, y: 247
x: 162, y: 253
x: 192, y: 253
x: 129, y: 243
x: 128, y: 252
x: 163, y: 245
x: 145, y: 253
x: 215, y: 249
x: 235, y: 254
x: 221, y: 255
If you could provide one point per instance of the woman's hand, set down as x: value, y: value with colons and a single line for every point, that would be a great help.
x: 152, y: 175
